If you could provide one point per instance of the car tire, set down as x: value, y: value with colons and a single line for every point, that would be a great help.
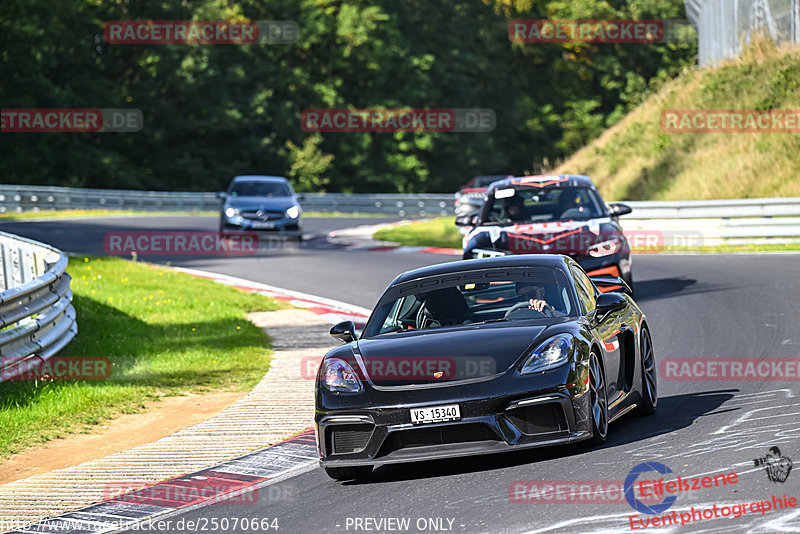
x: 348, y: 473
x: 598, y: 400
x: 649, y: 385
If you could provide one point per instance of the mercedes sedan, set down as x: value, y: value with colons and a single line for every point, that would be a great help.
x: 261, y: 204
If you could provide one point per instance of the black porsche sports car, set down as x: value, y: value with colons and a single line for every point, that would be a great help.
x: 562, y: 214
x: 481, y: 356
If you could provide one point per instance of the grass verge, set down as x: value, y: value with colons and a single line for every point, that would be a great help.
x: 638, y: 160
x: 442, y: 232
x: 166, y: 333
x: 439, y: 232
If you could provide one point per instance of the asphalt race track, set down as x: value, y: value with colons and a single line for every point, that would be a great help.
x: 698, y: 306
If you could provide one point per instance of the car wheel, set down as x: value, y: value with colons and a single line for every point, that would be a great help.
x: 649, y: 376
x: 598, y: 399
x: 348, y: 473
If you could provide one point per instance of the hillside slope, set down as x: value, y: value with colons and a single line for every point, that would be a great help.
x: 637, y: 160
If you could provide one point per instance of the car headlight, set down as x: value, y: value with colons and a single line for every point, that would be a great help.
x: 293, y: 212
x: 548, y: 355
x: 338, y: 377
x: 606, y: 248
x: 231, y: 212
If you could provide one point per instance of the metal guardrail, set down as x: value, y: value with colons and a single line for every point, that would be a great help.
x: 716, y: 222
x: 36, y: 315
x: 22, y: 198
x: 758, y: 220
x: 724, y: 25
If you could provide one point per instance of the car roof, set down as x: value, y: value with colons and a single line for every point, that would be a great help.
x: 518, y: 260
x: 259, y: 178
x: 545, y: 180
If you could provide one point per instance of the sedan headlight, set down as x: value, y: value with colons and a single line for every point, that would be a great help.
x: 606, y: 248
x: 231, y: 212
x: 548, y: 355
x: 338, y: 377
x: 293, y: 212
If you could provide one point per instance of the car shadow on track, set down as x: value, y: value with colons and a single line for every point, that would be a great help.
x: 674, y: 413
x: 673, y: 287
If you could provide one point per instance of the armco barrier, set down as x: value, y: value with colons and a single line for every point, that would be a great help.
x: 21, y: 198
x: 36, y: 315
x: 739, y: 221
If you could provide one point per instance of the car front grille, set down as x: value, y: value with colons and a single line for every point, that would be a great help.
x: 439, y: 435
x: 261, y: 215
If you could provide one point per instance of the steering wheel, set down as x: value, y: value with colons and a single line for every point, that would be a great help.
x: 547, y: 310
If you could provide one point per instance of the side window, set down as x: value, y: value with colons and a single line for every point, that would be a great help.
x: 585, y: 290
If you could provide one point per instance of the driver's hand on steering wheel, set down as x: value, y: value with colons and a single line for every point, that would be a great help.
x: 538, y: 305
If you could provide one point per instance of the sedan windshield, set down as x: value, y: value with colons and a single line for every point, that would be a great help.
x: 519, y: 205
x: 254, y: 188
x: 472, y: 298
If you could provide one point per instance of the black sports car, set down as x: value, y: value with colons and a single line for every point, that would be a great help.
x: 480, y: 356
x: 562, y: 214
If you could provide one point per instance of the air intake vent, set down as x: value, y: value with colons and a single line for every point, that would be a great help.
x: 347, y: 439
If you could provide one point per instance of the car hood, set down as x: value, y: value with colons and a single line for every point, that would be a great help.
x: 461, y: 353
x: 261, y: 203
x: 559, y: 237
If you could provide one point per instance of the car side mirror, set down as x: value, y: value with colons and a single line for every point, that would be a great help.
x: 609, y: 303
x: 220, y: 194
x: 301, y: 197
x: 344, y: 331
x: 466, y: 220
x: 618, y: 209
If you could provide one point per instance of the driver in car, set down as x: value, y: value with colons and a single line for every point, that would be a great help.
x: 533, y: 295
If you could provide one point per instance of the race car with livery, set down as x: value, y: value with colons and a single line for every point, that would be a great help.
x: 562, y: 214
x: 469, y: 199
x: 482, y: 356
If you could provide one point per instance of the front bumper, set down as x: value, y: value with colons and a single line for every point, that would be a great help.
x: 383, y: 434
x: 285, y: 225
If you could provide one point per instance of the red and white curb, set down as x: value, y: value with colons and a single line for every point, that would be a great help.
x: 333, y: 311
x: 237, y: 481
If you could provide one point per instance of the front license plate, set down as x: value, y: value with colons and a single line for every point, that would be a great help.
x: 435, y: 414
x: 264, y: 225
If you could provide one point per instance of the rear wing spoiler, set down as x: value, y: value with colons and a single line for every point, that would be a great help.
x: 611, y: 283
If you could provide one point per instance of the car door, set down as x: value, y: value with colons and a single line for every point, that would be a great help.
x: 608, y: 330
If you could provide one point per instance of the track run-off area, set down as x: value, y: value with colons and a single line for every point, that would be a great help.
x: 702, y: 307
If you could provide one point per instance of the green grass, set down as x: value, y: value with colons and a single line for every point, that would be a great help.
x: 439, y: 232
x: 166, y: 334
x: 637, y: 160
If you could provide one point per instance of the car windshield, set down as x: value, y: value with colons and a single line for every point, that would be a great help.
x: 529, y: 204
x: 257, y: 188
x: 469, y: 298
x: 485, y: 181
